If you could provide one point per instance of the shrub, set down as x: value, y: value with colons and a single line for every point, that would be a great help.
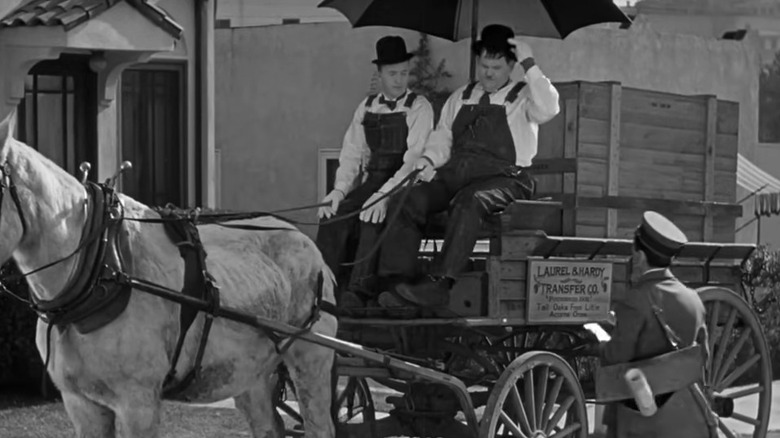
x: 20, y: 363
x: 761, y: 276
x: 427, y: 77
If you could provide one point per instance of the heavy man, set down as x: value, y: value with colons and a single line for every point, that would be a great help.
x: 487, y: 135
x: 381, y: 145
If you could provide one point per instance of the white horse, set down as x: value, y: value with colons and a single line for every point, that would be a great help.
x: 111, y: 378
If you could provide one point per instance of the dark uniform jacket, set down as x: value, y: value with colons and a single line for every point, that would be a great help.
x: 639, y: 335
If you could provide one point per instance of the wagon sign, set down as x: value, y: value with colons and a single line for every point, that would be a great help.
x: 568, y: 290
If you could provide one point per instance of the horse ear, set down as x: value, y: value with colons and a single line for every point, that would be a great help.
x: 7, y: 128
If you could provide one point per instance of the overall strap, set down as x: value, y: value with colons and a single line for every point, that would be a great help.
x: 370, y: 100
x: 514, y: 92
x: 469, y: 89
x: 410, y: 100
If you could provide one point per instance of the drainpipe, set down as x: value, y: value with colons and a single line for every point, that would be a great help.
x: 205, y: 191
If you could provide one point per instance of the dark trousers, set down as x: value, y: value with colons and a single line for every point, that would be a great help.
x: 469, y: 205
x: 339, y: 240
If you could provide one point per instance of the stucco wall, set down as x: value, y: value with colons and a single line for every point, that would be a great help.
x: 283, y: 92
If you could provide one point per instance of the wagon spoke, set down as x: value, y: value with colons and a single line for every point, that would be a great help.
x: 529, y: 397
x: 549, y: 404
x: 562, y: 409
x: 566, y: 431
x: 713, y: 323
x: 512, y: 426
x: 742, y: 369
x: 723, y: 342
x: 725, y: 429
x: 746, y: 392
x: 541, y: 393
x: 745, y: 419
x: 521, y: 415
x: 735, y: 349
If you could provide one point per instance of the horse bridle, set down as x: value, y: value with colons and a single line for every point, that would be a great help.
x: 7, y: 182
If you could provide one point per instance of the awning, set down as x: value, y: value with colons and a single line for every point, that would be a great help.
x: 765, y: 186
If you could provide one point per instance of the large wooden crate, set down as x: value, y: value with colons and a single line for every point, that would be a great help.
x: 615, y: 151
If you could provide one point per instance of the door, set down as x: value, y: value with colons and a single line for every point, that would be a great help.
x: 153, y: 127
x: 58, y: 115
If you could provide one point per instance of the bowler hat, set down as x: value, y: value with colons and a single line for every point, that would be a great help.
x: 659, y: 236
x: 391, y: 50
x: 494, y: 39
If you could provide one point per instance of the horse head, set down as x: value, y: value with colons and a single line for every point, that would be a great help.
x: 11, y: 226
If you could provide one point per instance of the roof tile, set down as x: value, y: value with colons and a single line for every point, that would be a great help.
x: 71, y: 13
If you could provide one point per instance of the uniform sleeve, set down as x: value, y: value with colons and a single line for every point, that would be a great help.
x: 420, y: 121
x: 439, y: 144
x: 351, y: 155
x: 543, y: 104
x: 622, y: 347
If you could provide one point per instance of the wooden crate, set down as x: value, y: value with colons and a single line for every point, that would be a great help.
x: 614, y: 152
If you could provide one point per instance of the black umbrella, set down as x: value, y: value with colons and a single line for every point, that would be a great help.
x: 458, y: 19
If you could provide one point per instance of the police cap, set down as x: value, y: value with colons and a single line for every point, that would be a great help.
x: 659, y: 236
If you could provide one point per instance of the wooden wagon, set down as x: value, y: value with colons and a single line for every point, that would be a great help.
x: 507, y: 357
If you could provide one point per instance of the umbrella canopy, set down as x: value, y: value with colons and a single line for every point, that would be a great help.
x: 458, y: 19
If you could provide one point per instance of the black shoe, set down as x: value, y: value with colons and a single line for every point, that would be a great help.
x: 430, y: 291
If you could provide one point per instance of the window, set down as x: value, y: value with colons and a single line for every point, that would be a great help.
x: 326, y: 173
x: 58, y: 114
x: 153, y: 134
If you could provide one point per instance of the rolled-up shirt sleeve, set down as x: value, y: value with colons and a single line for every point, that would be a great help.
x: 351, y: 156
x: 439, y: 144
x: 543, y: 104
x: 420, y: 122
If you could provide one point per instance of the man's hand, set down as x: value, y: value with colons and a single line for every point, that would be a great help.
x: 521, y: 48
x: 334, y: 198
x: 425, y: 166
x: 376, y: 213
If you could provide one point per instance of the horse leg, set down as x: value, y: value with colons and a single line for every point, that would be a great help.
x: 257, y: 405
x: 139, y: 415
x: 310, y: 367
x: 90, y: 419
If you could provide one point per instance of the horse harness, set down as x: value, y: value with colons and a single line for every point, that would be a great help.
x: 100, y: 290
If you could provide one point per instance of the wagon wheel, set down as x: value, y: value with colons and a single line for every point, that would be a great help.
x: 739, y: 365
x: 352, y: 402
x: 552, y: 403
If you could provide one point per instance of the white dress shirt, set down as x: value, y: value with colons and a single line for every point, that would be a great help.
x: 537, y: 103
x: 355, y: 152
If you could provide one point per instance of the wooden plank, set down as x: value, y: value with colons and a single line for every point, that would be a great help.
x: 660, y: 177
x: 592, y: 217
x: 551, y: 138
x: 512, y: 289
x: 613, y: 159
x: 513, y: 269
x: 662, y: 205
x: 655, y: 157
x: 728, y: 117
x: 592, y: 231
x: 687, y: 139
x: 594, y: 100
x: 517, y: 246
x: 494, y: 279
x: 725, y: 187
x: 727, y: 145
x: 546, y: 166
x: 511, y: 308
x: 663, y: 109
x: 571, y: 137
x: 593, y: 131
x: 709, y: 162
x: 591, y: 190
x: 725, y: 229
x: 593, y: 150
x: 592, y: 171
x: 726, y: 164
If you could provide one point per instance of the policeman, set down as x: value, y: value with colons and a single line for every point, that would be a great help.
x: 383, y: 141
x: 641, y: 334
